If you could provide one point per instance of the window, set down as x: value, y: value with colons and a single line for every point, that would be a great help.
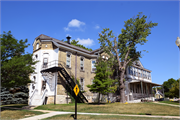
x: 93, y: 65
x: 143, y: 73
x: 92, y: 81
x: 82, y: 63
x: 46, y: 46
x: 103, y: 56
x: 134, y: 71
x: 68, y: 60
x: 45, y: 62
x: 33, y: 86
x: 37, y: 46
x: 149, y: 75
x: 82, y: 84
x: 34, y: 77
x: 106, y: 58
x: 36, y: 56
x: 131, y: 70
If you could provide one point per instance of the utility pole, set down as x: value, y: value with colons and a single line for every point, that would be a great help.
x: 76, y: 84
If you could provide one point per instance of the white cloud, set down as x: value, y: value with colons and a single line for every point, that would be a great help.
x: 74, y: 23
x: 86, y: 42
x: 97, y: 27
x: 66, y: 29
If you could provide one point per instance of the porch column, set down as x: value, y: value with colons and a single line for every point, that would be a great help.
x: 142, y: 88
x: 146, y: 90
x: 151, y: 90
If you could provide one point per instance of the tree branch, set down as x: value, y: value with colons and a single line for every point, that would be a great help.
x: 115, y: 49
x: 131, y: 59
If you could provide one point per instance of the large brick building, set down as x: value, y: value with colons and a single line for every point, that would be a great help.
x: 56, y: 66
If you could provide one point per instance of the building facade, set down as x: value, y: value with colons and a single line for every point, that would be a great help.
x: 52, y: 79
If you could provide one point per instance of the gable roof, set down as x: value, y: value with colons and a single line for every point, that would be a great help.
x: 45, y: 37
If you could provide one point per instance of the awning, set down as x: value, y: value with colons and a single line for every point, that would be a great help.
x: 138, y: 81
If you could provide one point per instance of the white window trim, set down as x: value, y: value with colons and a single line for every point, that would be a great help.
x: 68, y: 53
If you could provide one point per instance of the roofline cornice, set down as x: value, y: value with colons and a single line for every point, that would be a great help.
x: 74, y: 50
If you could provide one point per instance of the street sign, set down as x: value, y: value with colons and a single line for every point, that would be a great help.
x: 76, y: 89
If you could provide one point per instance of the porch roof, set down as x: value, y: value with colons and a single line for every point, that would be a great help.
x: 138, y: 81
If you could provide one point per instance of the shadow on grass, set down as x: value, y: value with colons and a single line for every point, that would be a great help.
x: 4, y: 108
x: 13, y: 107
x: 98, y: 103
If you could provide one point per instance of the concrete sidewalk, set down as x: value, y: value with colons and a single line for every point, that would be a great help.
x: 167, y: 104
x: 53, y: 113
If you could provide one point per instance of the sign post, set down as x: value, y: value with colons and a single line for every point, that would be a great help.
x: 76, y: 91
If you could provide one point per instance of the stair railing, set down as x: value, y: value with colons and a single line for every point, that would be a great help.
x: 63, y: 65
x: 43, y: 96
x: 32, y: 95
x: 67, y: 71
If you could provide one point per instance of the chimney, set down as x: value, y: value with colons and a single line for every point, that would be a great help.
x: 68, y: 39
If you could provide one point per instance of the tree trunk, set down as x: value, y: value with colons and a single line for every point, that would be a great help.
x: 121, y: 88
x: 99, y: 99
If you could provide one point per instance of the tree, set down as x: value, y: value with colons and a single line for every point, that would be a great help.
x: 16, y: 66
x: 167, y: 85
x: 102, y: 82
x: 175, y: 89
x: 123, y: 51
x: 75, y: 43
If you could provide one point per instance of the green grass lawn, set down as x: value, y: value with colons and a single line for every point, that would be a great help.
x: 17, y: 114
x: 95, y: 117
x: 116, y: 108
x: 10, y: 113
x: 170, y: 102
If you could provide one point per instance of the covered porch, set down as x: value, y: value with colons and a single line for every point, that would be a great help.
x: 141, y: 90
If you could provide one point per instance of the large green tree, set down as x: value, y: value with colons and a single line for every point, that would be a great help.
x: 167, y: 85
x: 174, y: 91
x: 124, y: 49
x: 16, y: 66
x: 102, y: 83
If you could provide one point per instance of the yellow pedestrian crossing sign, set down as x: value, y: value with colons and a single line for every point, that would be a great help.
x: 76, y: 89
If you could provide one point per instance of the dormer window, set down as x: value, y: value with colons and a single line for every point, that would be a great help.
x: 103, y: 56
x: 81, y: 63
x: 37, y: 46
x: 106, y: 58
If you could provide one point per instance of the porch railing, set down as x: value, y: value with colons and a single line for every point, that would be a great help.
x: 57, y: 63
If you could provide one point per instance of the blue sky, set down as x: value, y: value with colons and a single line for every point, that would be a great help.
x: 83, y: 20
